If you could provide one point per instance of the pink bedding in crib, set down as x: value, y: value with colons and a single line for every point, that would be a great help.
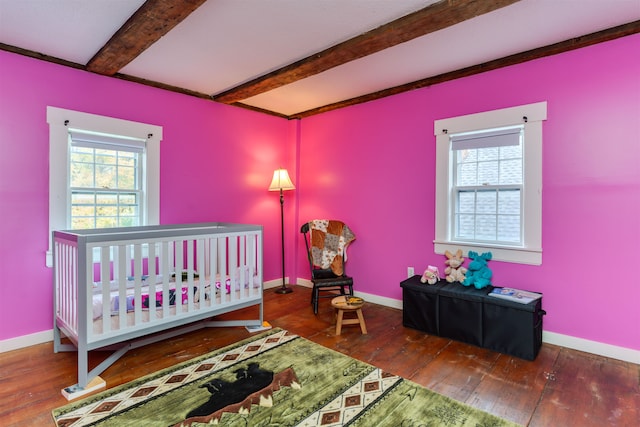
x: 146, y: 300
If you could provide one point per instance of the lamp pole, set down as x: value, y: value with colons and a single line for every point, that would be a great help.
x: 281, y: 182
x: 283, y: 289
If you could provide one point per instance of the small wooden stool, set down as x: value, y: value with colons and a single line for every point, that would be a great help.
x: 342, y: 305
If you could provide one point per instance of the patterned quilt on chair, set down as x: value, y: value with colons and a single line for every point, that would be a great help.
x: 329, y: 241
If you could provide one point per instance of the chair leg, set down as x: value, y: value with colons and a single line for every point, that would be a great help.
x: 316, y: 296
x: 343, y: 290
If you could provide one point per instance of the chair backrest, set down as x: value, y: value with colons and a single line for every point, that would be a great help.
x: 316, y: 272
x: 326, y: 242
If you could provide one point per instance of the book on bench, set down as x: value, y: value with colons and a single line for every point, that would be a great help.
x: 515, y: 295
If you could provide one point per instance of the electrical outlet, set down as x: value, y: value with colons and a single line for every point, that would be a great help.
x: 410, y: 272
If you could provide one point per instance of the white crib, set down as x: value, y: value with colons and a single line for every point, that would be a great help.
x: 130, y: 287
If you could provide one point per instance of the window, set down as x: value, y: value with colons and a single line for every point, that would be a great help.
x: 105, y: 175
x: 103, y: 172
x: 489, y: 183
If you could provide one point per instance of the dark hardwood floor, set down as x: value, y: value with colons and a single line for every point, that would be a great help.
x: 561, y: 387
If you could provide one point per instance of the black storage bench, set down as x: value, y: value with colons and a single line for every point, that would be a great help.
x: 420, y: 305
x: 512, y: 328
x: 460, y: 313
x: 467, y: 314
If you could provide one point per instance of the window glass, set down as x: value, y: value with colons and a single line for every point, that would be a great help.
x: 105, y: 187
x: 487, y: 187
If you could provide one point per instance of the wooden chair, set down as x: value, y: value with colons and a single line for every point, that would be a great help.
x: 324, y: 279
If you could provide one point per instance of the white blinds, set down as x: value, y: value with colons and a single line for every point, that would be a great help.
x: 494, y: 138
x: 81, y: 138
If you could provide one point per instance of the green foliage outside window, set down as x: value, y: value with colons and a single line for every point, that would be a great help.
x: 105, y: 188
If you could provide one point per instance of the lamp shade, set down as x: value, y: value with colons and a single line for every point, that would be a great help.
x: 281, y: 181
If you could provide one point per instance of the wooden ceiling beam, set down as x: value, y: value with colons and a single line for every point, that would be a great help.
x: 148, y: 24
x: 518, y: 58
x: 432, y: 18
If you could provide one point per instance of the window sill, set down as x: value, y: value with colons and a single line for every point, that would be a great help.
x: 529, y: 256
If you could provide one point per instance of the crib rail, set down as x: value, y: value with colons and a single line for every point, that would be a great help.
x: 118, y: 284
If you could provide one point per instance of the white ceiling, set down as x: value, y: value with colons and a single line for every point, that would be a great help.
x: 224, y: 43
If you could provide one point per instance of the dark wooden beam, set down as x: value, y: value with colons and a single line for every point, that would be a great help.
x: 554, y: 49
x: 148, y: 24
x: 160, y: 85
x: 259, y: 110
x: 41, y: 56
x: 432, y: 18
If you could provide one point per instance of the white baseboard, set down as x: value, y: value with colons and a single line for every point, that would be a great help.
x: 304, y: 282
x: 47, y: 336
x: 26, y: 341
x: 376, y: 299
x: 594, y: 347
x: 580, y: 344
x: 276, y: 283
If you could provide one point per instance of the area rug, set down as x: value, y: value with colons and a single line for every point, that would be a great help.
x: 272, y: 379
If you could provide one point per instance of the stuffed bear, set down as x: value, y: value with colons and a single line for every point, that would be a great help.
x: 455, y: 272
x: 479, y: 274
x: 431, y: 275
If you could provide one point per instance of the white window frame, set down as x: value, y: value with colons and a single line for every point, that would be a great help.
x: 60, y: 120
x: 532, y: 116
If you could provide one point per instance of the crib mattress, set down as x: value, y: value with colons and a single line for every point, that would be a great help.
x: 158, y: 312
x: 152, y: 295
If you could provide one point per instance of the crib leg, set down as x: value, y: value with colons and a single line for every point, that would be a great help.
x: 261, y: 311
x: 58, y: 346
x: 57, y: 339
x: 83, y: 366
x: 84, y: 386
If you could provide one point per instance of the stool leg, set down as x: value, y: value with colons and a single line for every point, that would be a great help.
x: 363, y: 327
x: 339, y: 322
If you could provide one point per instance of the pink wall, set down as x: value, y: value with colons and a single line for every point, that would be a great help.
x: 372, y: 165
x: 216, y: 164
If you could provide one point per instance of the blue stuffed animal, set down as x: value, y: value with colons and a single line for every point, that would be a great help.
x: 478, y: 273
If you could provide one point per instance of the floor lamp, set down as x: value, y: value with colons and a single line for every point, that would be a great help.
x: 281, y: 182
